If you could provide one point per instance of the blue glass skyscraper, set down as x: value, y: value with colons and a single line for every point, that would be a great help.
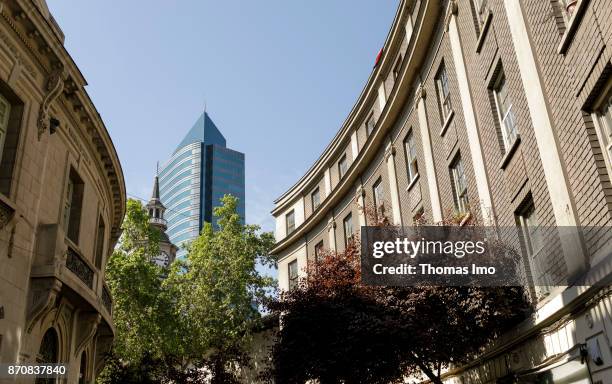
x: 201, y: 170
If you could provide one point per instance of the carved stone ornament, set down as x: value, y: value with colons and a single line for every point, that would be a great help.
x: 87, y: 330
x: 55, y: 85
x: 452, y: 9
x: 44, y: 297
x: 390, y: 151
x: 420, y: 93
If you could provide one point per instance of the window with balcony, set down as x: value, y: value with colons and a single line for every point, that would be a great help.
x: 342, y: 166
x: 377, y: 193
x: 459, y: 186
x: 505, y: 114
x: 412, y: 167
x: 73, y: 203
x: 370, y: 124
x: 293, y: 274
x: 316, y: 199
x: 11, y: 111
x: 348, y: 229
x: 443, y: 91
x: 290, y: 222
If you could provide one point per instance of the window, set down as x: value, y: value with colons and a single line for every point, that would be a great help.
x: 530, y: 229
x: 397, y: 67
x: 316, y: 199
x: 604, y: 130
x: 72, y: 206
x: 100, y: 243
x: 342, y: 166
x: 348, y: 229
x: 411, y: 158
x: 480, y: 10
x: 459, y: 185
x: 290, y: 221
x: 370, y: 124
x: 5, y: 111
x: 318, y: 250
x: 377, y: 190
x: 442, y: 89
x: 503, y: 104
x: 293, y: 274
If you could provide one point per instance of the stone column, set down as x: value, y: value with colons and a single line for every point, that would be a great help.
x: 469, y: 114
x: 563, y: 205
x: 395, y: 204
x: 430, y: 167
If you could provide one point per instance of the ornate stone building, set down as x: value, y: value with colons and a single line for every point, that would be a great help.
x: 62, y: 199
x: 500, y: 109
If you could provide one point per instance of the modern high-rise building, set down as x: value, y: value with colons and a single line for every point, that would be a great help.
x: 192, y: 182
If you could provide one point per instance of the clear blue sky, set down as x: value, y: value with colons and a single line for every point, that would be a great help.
x: 278, y: 77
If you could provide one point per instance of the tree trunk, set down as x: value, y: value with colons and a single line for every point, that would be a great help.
x: 428, y: 372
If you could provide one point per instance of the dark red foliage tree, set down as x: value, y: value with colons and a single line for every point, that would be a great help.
x: 334, y: 329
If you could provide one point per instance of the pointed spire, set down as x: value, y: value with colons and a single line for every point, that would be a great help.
x: 155, y: 195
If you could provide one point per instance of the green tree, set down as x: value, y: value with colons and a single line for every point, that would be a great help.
x: 218, y: 290
x: 193, y: 321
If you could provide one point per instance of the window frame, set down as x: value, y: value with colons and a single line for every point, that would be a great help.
x: 342, y: 163
x: 292, y: 280
x: 531, y: 234
x: 441, y: 80
x: 602, y: 121
x: 73, y: 205
x: 459, y: 184
x: 509, y: 135
x: 378, y: 196
x: 289, y: 214
x: 370, y: 124
x: 347, y: 225
x: 4, y: 123
x: 317, y: 193
x: 318, y: 248
x: 412, y: 165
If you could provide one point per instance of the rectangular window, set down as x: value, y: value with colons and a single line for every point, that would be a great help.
x: 318, y: 250
x: 411, y: 158
x: 316, y: 199
x: 459, y: 185
x: 293, y: 274
x: 99, y: 254
x: 603, y: 127
x: 397, y: 67
x: 5, y: 111
x: 481, y: 9
x: 443, y: 91
x: 290, y: 221
x: 370, y: 124
x: 378, y: 197
x: 73, y: 203
x: 505, y: 114
x: 530, y: 228
x: 342, y: 166
x: 348, y: 229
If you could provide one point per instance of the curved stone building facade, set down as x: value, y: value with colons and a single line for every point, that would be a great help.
x: 62, y: 199
x: 500, y: 109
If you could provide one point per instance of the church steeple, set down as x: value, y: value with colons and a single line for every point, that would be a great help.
x: 155, y: 207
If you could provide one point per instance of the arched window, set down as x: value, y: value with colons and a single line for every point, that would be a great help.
x: 48, y: 352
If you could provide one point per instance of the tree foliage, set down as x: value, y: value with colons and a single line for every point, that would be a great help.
x: 190, y: 322
x: 335, y: 329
